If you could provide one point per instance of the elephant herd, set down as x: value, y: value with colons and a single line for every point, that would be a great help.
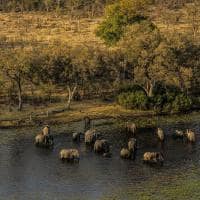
x: 101, y: 146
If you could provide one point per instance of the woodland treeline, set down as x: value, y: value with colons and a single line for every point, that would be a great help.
x: 88, y: 8
x: 139, y: 66
x: 94, y: 7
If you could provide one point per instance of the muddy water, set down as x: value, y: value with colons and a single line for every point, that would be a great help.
x: 27, y: 172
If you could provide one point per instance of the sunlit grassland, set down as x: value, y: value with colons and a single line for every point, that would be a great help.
x: 46, y: 28
x: 40, y: 28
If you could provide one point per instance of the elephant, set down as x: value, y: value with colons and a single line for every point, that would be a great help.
x: 91, y: 136
x: 76, y: 136
x: 191, y: 137
x: 87, y: 122
x: 131, y: 128
x: 125, y: 153
x: 46, y: 130
x: 160, y: 134
x: 132, y: 147
x: 70, y: 155
x: 101, y: 146
x: 178, y: 134
x: 132, y: 144
x: 39, y: 139
x: 153, y: 158
x: 44, y: 141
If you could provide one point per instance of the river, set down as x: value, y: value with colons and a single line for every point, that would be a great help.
x: 27, y: 172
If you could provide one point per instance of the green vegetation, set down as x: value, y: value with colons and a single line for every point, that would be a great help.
x: 167, y: 103
x: 54, y: 56
x: 137, y: 100
x: 178, y: 189
x: 118, y: 16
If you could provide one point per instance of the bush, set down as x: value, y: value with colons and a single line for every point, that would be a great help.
x: 168, y: 103
x: 159, y: 89
x: 136, y: 100
x: 181, y: 103
x: 157, y: 102
x: 196, y: 102
x: 167, y: 99
x: 172, y: 89
x: 130, y: 88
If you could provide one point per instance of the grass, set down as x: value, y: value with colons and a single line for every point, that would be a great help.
x: 39, y: 28
x: 42, y: 28
x: 184, y: 187
x: 180, y: 190
x: 96, y: 109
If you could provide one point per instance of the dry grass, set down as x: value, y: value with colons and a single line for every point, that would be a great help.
x: 94, y: 109
x: 37, y: 28
x: 98, y: 110
x: 46, y: 28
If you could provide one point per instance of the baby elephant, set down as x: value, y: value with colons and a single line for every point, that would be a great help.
x: 191, y: 137
x: 160, y: 134
x: 153, y: 158
x: 125, y: 153
x: 91, y: 136
x: 76, y: 136
x: 70, y: 155
x: 101, y: 146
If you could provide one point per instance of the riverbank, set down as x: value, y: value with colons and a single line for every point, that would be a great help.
x: 57, y: 114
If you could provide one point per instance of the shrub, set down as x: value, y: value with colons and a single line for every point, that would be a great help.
x: 172, y: 101
x: 196, y: 102
x: 181, y: 103
x: 127, y: 87
x: 172, y: 89
x: 136, y: 100
x: 157, y: 102
x: 159, y: 89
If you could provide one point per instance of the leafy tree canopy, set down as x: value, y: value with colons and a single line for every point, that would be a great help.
x: 118, y: 16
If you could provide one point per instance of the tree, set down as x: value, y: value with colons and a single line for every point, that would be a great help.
x: 96, y: 69
x: 179, y: 57
x: 15, y: 65
x: 118, y: 16
x: 193, y: 12
x: 55, y: 67
x: 140, y: 43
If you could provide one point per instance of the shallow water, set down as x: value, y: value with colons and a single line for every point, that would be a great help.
x: 28, y: 172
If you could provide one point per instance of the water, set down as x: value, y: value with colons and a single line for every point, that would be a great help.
x: 27, y: 172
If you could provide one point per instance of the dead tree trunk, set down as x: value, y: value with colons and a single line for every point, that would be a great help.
x: 149, y: 88
x: 18, y: 81
x: 71, y: 93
